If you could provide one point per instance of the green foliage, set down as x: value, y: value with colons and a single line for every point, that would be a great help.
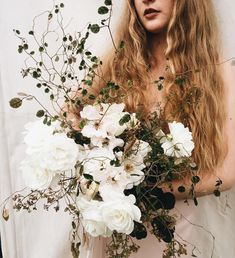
x: 40, y: 113
x: 15, y: 102
x: 122, y: 44
x: 103, y: 10
x: 108, y: 2
x: 75, y: 249
x: 95, y: 28
x: 88, y: 177
x: 125, y: 119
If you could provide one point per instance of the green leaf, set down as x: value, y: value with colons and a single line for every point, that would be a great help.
x: 88, y: 176
x: 95, y: 28
x: 108, y: 2
x: 103, y: 10
x: 45, y: 120
x: 91, y: 97
x: 88, y: 82
x: 15, y: 102
x: 73, y: 225
x: 122, y: 44
x: 50, y: 16
x: 40, y: 113
x: 63, y: 79
x: 217, y: 192
x: 20, y: 49
x: 25, y: 46
x: 181, y: 189
x: 75, y: 250
x: 180, y: 81
x: 84, y: 92
x: 35, y: 74
x: 195, y: 201
x: 195, y: 179
x: 41, y: 49
x: 126, y: 118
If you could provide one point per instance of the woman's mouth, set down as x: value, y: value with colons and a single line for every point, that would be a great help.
x: 150, y: 12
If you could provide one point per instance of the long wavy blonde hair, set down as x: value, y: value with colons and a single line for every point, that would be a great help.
x: 193, y: 54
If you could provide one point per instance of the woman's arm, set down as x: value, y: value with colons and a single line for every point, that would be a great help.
x: 227, y: 172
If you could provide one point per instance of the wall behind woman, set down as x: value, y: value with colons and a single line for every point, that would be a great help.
x: 45, y: 234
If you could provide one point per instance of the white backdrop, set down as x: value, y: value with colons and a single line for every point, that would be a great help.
x: 45, y: 234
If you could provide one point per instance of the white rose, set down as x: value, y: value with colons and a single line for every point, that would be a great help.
x: 52, y: 151
x: 35, y: 135
x: 119, y: 212
x: 91, y: 218
x: 179, y: 142
x: 59, y: 153
x: 36, y: 177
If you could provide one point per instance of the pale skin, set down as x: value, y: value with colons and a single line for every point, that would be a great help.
x: 156, y: 25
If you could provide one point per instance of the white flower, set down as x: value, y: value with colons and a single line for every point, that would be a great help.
x: 119, y: 212
x: 103, y: 120
x: 134, y: 164
x: 92, y: 219
x: 93, y: 130
x: 59, y: 153
x: 36, y: 134
x: 91, y: 113
x: 141, y: 148
x: 36, y: 177
x: 179, y: 142
x: 110, y: 142
x: 133, y: 172
x: 96, y: 163
x: 52, y: 151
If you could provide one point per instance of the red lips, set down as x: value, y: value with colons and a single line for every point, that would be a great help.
x: 150, y: 11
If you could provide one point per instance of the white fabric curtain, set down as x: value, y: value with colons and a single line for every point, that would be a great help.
x: 46, y: 234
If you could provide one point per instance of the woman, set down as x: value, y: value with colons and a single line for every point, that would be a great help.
x: 178, y: 40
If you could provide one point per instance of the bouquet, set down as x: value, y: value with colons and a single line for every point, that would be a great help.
x: 112, y: 168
